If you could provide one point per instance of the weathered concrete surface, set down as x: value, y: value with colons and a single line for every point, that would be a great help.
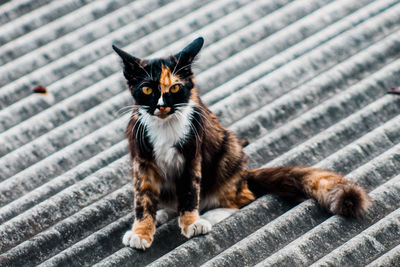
x: 304, y: 81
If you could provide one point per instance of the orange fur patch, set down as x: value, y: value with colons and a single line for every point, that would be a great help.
x: 166, y: 79
x: 145, y: 228
x: 229, y: 197
x: 244, y: 197
x: 321, y: 181
x: 187, y: 219
x: 148, y: 178
x: 194, y: 96
x: 197, y: 171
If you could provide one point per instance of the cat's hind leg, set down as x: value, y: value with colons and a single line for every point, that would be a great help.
x: 164, y: 215
x: 217, y: 215
x: 204, y: 224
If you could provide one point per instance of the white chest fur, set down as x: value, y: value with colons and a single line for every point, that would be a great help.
x: 164, y: 134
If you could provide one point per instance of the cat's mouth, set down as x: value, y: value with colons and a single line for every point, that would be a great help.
x: 162, y: 112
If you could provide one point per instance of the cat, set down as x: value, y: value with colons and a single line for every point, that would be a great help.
x: 185, y: 161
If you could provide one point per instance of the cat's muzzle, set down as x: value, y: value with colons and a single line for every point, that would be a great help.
x: 162, y: 111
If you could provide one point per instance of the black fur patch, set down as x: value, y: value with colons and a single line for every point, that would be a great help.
x: 191, y: 142
x: 209, y: 169
x: 186, y: 191
x: 139, y: 211
x: 143, y: 144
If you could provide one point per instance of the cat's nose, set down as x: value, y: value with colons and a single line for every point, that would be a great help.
x: 162, y: 111
x: 161, y: 108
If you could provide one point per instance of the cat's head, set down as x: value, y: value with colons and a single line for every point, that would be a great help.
x: 160, y: 86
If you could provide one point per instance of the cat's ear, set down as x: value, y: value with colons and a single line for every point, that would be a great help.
x: 126, y: 58
x: 188, y: 54
x: 132, y: 65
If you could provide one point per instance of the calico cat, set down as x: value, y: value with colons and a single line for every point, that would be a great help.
x: 184, y: 161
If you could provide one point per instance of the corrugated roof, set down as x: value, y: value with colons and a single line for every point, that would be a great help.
x: 304, y: 81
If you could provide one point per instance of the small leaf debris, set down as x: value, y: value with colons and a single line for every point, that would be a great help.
x: 394, y: 91
x: 40, y: 90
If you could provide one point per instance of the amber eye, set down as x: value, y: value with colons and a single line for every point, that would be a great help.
x: 147, y: 90
x: 175, y: 88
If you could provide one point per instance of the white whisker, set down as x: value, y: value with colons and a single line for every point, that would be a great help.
x: 183, y: 67
x: 173, y: 71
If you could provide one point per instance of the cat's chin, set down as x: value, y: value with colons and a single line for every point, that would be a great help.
x: 162, y: 114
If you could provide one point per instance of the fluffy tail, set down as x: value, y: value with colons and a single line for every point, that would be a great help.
x: 331, y: 190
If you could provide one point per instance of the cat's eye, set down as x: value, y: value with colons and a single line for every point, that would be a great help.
x: 175, y: 88
x: 147, y: 90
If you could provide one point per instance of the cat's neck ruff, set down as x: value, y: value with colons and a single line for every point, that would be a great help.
x: 164, y: 134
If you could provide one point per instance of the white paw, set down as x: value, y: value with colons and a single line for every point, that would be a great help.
x: 199, y: 227
x: 134, y: 241
x: 216, y: 215
x: 162, y: 217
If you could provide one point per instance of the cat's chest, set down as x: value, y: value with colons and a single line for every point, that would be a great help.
x: 168, y: 159
x: 164, y: 134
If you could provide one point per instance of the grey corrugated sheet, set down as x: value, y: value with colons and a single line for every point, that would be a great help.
x: 304, y: 81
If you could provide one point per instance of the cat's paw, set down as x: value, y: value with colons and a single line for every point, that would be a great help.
x: 199, y: 227
x: 134, y: 241
x: 162, y: 217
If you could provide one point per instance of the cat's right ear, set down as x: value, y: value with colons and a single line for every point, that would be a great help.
x: 126, y: 58
x: 131, y: 64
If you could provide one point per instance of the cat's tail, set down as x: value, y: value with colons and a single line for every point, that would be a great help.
x: 331, y: 190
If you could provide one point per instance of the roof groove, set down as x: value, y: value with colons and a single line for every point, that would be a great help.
x: 272, y: 44
x: 107, y: 239
x: 282, y: 139
x: 365, y: 147
x: 47, y: 50
x: 306, y: 67
x: 330, y: 84
x: 64, y: 203
x: 64, y: 180
x: 63, y: 233
x: 61, y: 160
x: 12, y: 9
x: 379, y: 169
x: 37, y: 18
x: 54, y: 140
x: 303, y: 46
x: 257, y: 31
x: 376, y: 239
x: 390, y: 258
x: 61, y: 113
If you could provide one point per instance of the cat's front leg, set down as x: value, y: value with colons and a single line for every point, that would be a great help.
x: 188, y: 190
x: 146, y: 190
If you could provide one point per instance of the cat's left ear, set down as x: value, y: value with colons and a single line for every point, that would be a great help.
x: 126, y: 58
x: 189, y: 53
x: 132, y: 65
